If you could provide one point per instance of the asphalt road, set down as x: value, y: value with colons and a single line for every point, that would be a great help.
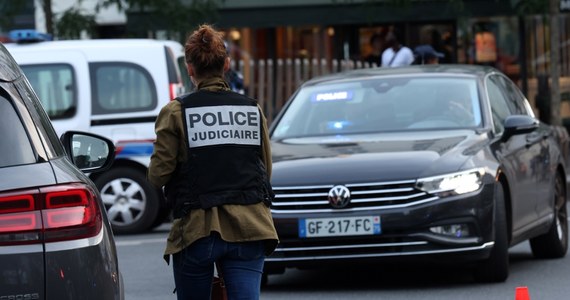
x: 147, y: 277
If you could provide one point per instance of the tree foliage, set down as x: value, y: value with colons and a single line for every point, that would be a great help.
x: 173, y: 16
x: 74, y: 21
x: 522, y: 7
x: 180, y: 16
x: 530, y: 7
x: 9, y: 9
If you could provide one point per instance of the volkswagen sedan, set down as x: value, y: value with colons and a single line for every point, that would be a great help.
x: 443, y: 164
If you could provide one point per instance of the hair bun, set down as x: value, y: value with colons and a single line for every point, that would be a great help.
x: 205, y: 49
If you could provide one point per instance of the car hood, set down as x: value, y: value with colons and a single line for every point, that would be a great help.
x: 372, y: 157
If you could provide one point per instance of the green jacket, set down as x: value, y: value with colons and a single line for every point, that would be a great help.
x: 234, y: 223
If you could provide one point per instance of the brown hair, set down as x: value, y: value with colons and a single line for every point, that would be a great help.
x: 205, y: 50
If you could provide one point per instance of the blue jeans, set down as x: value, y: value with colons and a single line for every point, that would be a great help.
x: 241, y: 264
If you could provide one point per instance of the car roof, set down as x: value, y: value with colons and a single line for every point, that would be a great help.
x: 423, y: 70
x: 90, y: 44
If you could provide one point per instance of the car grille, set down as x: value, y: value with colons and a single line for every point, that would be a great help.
x: 369, y: 247
x: 364, y: 196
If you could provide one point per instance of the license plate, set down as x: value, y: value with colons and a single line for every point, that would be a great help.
x: 344, y: 226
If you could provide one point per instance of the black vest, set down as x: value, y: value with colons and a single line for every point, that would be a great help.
x: 223, y: 137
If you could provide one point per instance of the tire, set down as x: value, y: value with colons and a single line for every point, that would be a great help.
x: 554, y: 243
x: 496, y: 267
x: 131, y: 202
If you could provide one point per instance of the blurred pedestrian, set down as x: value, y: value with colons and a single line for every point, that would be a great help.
x: 212, y: 156
x: 235, y: 80
x: 426, y: 55
x: 232, y: 76
x: 396, y: 55
x: 376, y: 43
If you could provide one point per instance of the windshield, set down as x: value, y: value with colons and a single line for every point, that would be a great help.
x: 381, y: 104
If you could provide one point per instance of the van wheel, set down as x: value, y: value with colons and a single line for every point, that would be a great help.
x: 130, y: 201
x: 496, y: 267
x: 554, y: 243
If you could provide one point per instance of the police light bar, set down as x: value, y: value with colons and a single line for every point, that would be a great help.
x: 28, y: 36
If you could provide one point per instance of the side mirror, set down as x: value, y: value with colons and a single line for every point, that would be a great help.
x: 519, y: 124
x: 89, y: 152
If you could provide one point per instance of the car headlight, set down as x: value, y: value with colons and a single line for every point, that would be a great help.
x: 452, y: 184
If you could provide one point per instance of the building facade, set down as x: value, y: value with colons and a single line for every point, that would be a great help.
x: 265, y: 33
x: 490, y: 32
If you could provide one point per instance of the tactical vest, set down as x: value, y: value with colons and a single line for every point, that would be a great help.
x: 223, y: 142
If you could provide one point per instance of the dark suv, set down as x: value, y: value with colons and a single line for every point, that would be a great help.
x: 55, y: 239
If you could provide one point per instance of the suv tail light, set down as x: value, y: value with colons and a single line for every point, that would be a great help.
x: 49, y: 214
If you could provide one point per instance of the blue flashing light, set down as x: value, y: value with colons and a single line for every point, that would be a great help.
x: 29, y: 36
x: 338, y: 125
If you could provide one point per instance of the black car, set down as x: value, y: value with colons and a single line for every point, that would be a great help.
x: 443, y: 164
x: 55, y: 239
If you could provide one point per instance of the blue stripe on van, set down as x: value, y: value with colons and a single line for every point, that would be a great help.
x: 134, y: 149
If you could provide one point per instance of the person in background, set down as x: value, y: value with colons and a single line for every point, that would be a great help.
x: 376, y: 43
x: 396, y: 55
x: 426, y: 55
x: 235, y: 80
x: 213, y: 158
x: 234, y: 77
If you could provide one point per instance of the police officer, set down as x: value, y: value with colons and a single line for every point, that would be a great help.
x: 212, y: 157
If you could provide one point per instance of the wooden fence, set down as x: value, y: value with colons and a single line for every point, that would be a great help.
x: 273, y: 82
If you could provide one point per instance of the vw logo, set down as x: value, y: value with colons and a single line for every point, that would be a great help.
x: 339, y: 196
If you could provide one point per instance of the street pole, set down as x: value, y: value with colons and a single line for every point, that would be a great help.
x: 554, y: 63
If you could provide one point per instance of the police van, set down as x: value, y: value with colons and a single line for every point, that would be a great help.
x: 114, y: 88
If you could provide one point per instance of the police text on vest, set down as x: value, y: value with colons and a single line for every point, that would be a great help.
x: 221, y: 125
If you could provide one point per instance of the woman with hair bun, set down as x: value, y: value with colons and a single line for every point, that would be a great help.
x: 213, y: 159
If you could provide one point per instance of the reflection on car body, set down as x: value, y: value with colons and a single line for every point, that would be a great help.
x: 55, y: 239
x: 434, y: 163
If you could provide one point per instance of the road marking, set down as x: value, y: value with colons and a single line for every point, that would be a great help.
x: 139, y: 242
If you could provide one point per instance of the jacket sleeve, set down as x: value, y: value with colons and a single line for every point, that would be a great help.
x: 266, y: 153
x: 169, y: 135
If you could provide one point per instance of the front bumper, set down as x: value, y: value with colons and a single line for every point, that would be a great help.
x: 405, y: 234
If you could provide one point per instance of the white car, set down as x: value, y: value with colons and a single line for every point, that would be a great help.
x: 114, y: 88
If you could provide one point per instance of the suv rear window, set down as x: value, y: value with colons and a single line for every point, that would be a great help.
x: 15, y: 146
x: 121, y: 87
x: 55, y: 86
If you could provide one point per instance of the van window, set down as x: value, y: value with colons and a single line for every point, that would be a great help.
x: 121, y: 87
x: 47, y: 134
x: 188, y: 85
x: 55, y: 86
